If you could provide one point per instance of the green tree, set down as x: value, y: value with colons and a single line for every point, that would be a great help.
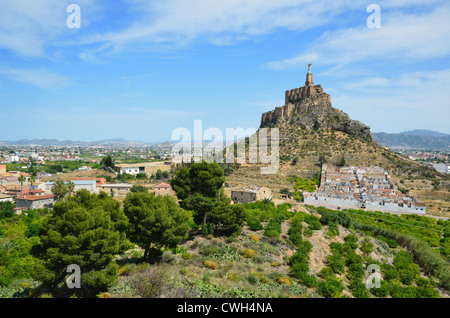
x: 6, y: 209
x: 141, y: 176
x: 155, y: 220
x: 108, y: 162
x: 226, y: 217
x: 205, y: 180
x: 159, y: 174
x: 138, y: 188
x: 87, y: 230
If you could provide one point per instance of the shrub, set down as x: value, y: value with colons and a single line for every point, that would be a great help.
x: 330, y: 288
x: 284, y: 280
x: 168, y: 257
x: 211, y: 265
x: 295, y: 231
x: 308, y: 232
x: 382, y: 291
x: 254, y: 238
x: 254, y: 224
x: 248, y: 253
x: 186, y: 255
x: 392, y: 243
x: 233, y: 277
x: 315, y: 225
x: 149, y: 283
x: 252, y: 279
x: 333, y: 229
x: 367, y: 246
x: 207, y: 250
x: 325, y: 273
x: 273, y: 229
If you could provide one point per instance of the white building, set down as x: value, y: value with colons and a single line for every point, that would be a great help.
x: 89, y: 185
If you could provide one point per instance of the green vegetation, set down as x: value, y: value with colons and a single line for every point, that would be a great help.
x: 155, y: 221
x: 87, y: 230
x: 419, y: 235
x: 151, y: 246
x: 309, y: 185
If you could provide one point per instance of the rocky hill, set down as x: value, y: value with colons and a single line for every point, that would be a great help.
x: 313, y: 132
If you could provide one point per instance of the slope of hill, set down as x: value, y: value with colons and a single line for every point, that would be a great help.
x: 313, y: 132
x: 309, y: 255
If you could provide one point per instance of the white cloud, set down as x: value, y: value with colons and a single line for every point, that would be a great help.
x: 180, y: 22
x: 409, y: 100
x: 403, y: 37
x: 29, y: 27
x: 41, y: 77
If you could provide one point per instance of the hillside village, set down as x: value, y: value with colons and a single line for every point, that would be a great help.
x: 367, y: 188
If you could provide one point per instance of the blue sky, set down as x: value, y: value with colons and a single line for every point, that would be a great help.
x: 139, y: 69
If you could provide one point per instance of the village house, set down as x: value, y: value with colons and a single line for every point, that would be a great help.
x: 117, y: 188
x: 89, y: 185
x: 163, y: 189
x: 98, y: 181
x: 250, y: 194
x: 28, y: 202
x: 6, y: 197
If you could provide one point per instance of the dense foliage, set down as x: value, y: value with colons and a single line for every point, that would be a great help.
x: 87, y: 230
x: 155, y: 220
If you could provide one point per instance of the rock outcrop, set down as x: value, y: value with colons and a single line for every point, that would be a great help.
x: 310, y: 107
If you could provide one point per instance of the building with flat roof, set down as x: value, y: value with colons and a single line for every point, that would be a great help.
x: 89, y: 185
x: 6, y: 197
x: 250, y: 194
x: 116, y: 188
x: 145, y: 167
x: 98, y: 181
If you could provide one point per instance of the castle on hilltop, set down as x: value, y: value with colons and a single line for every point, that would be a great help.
x: 293, y: 98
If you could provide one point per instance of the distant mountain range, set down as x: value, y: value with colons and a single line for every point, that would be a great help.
x: 55, y: 142
x: 414, y: 139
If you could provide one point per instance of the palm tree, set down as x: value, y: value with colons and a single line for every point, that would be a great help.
x: 70, y: 187
x: 32, y: 180
x: 59, y: 190
x: 21, y: 180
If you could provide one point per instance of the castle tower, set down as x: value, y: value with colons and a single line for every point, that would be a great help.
x: 309, y: 77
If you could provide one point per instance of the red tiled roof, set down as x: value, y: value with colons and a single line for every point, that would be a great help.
x: 162, y: 185
x: 36, y: 191
x: 35, y: 197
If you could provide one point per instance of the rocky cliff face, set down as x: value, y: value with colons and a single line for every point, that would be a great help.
x: 315, y: 112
